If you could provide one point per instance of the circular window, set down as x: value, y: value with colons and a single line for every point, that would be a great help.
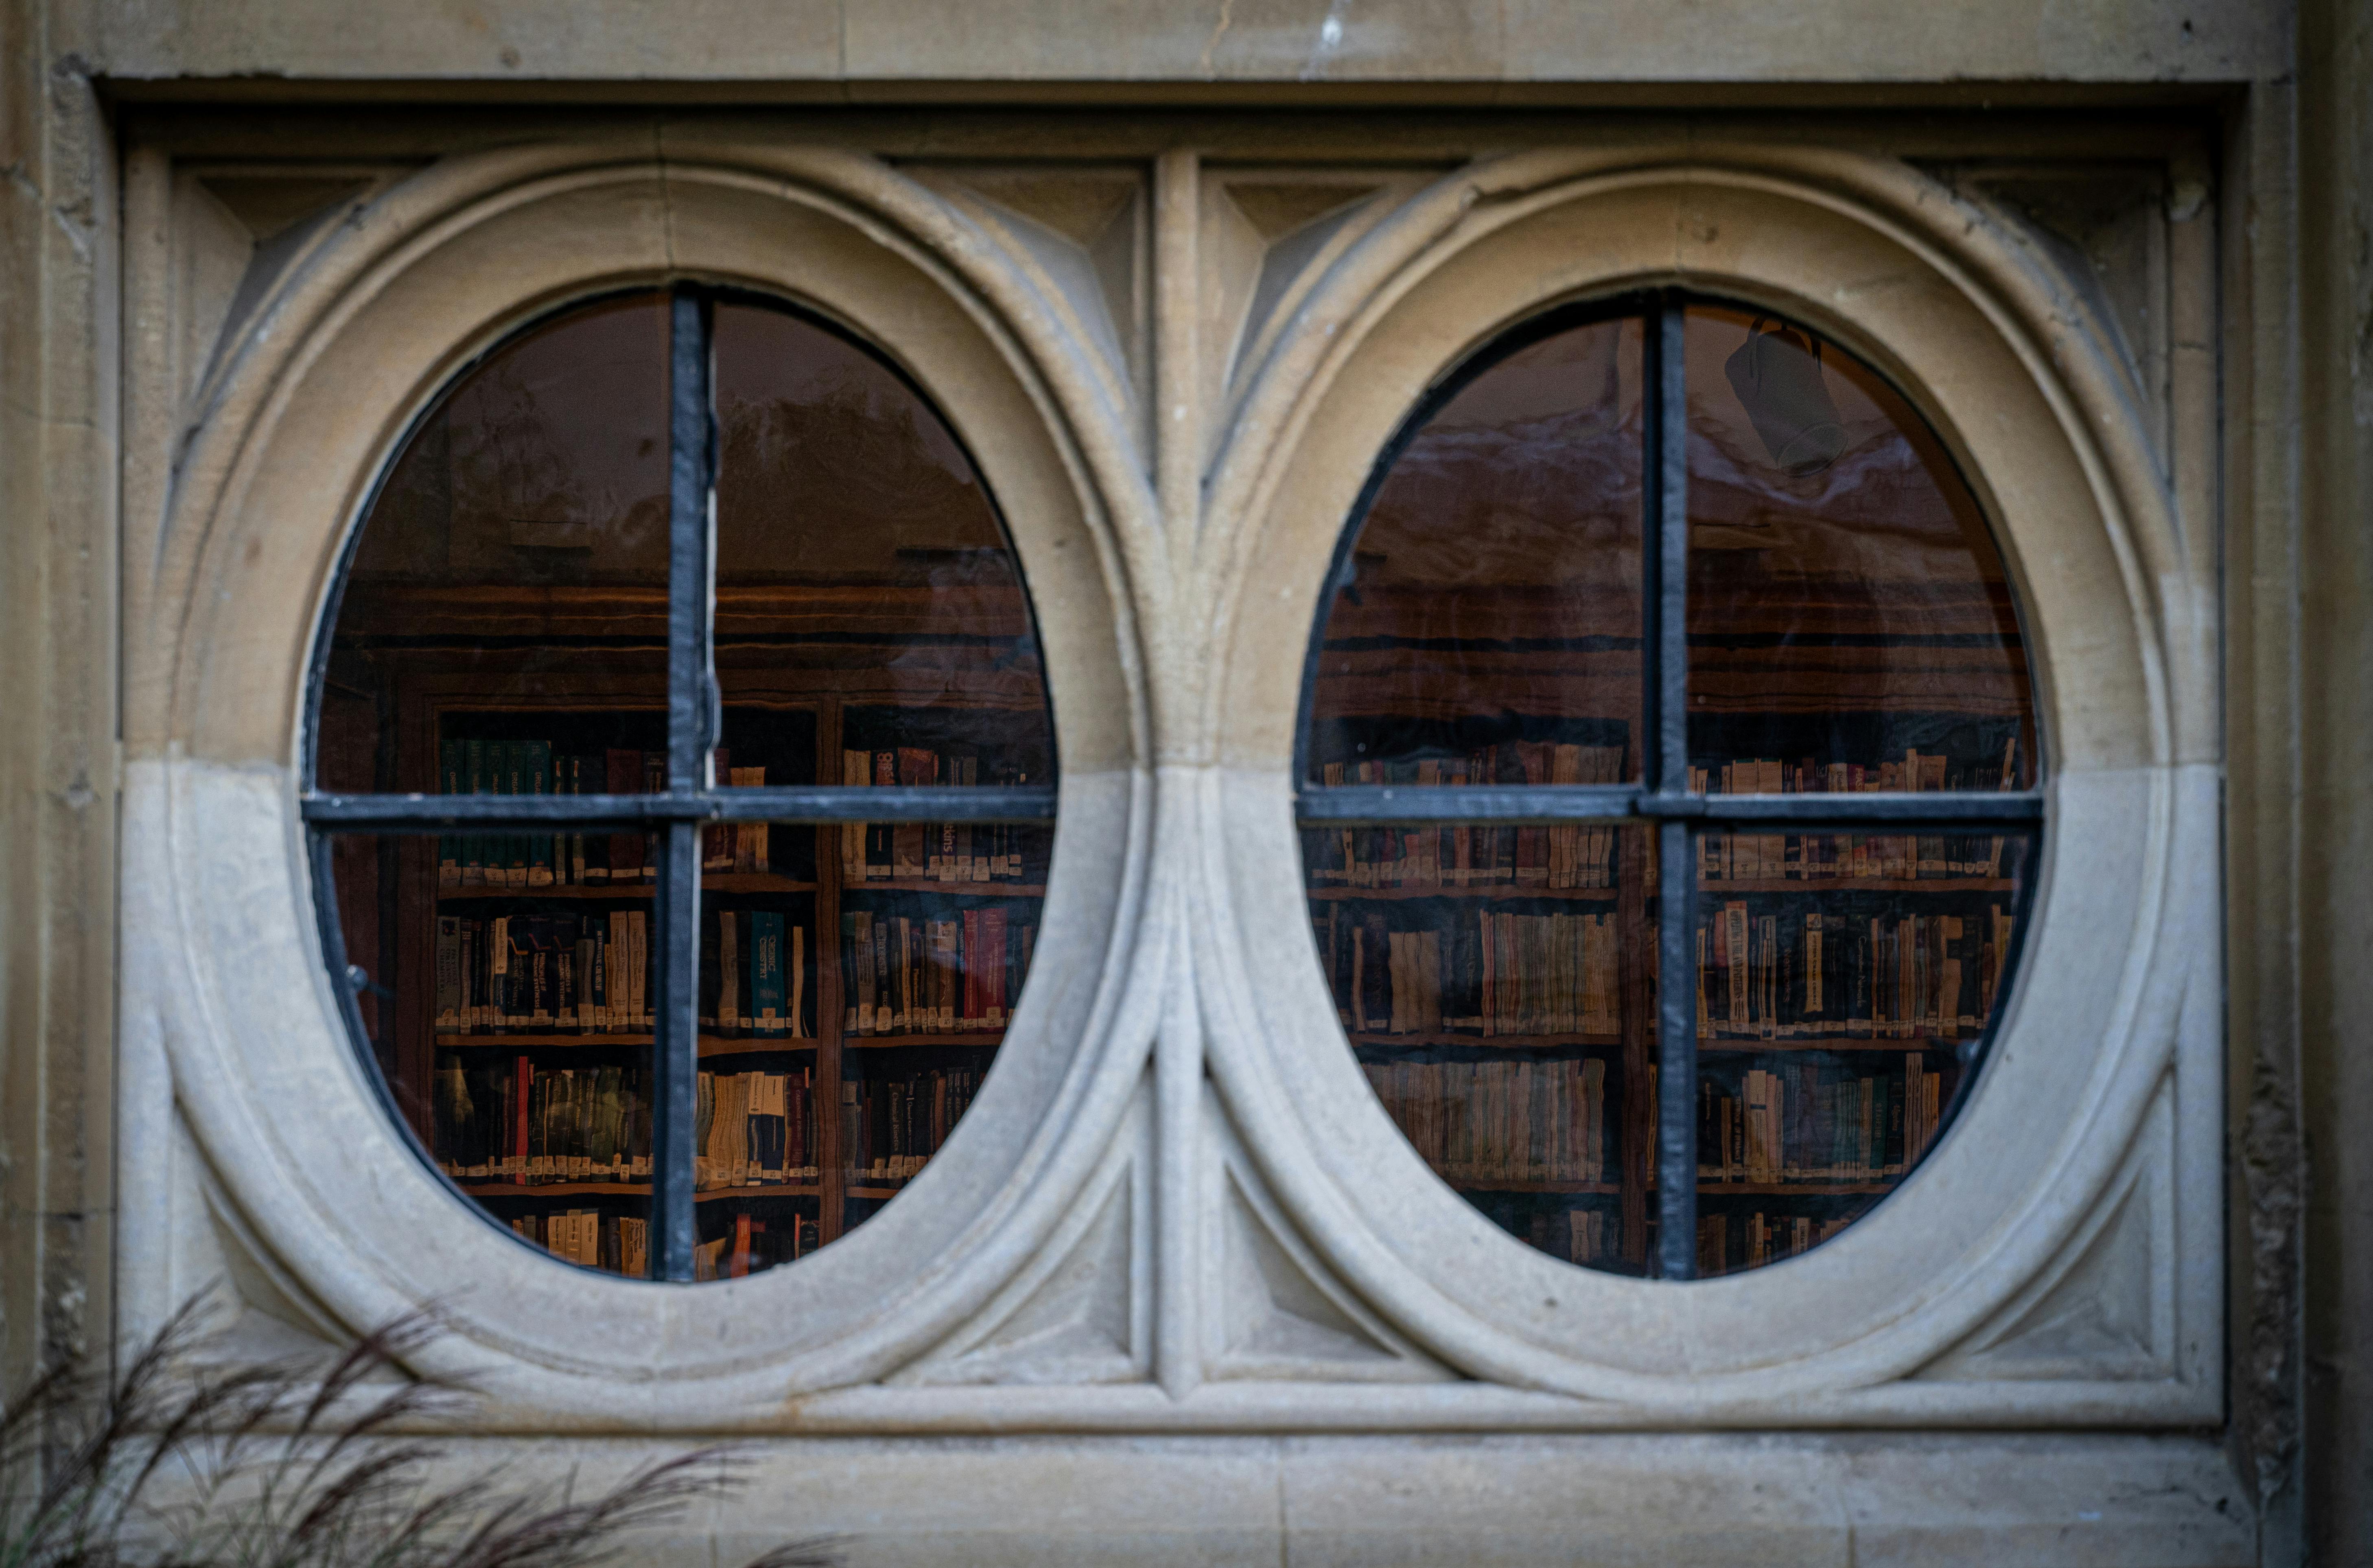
x: 685, y: 784
x: 1668, y: 800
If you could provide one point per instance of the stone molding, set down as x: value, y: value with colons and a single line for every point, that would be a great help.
x: 1177, y: 1207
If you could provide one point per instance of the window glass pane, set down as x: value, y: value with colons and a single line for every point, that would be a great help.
x: 758, y: 1124
x: 508, y: 1025
x: 938, y: 925
x: 859, y: 560
x: 1847, y: 986
x: 516, y: 555
x: 872, y: 630
x: 1851, y: 624
x: 1484, y: 626
x: 502, y: 631
x: 1503, y: 1018
x: 1851, y: 629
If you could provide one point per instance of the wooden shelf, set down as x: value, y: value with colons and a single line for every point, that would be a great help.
x: 1859, y: 885
x: 1732, y: 1046
x: 717, y: 1045
x: 1488, y: 1042
x: 625, y: 1189
x: 1602, y: 1188
x: 1796, y: 1188
x: 1504, y: 890
x: 949, y: 889
x: 711, y: 1044
x: 715, y: 881
x: 552, y: 1189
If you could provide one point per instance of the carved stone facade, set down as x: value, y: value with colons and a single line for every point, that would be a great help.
x: 1183, y: 1293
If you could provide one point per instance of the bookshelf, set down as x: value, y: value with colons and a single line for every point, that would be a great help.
x: 1845, y: 628
x: 862, y: 1103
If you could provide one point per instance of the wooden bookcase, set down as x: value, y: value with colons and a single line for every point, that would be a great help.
x: 1373, y: 683
x: 417, y: 664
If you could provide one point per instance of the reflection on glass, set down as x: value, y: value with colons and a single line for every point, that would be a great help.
x: 872, y: 630
x: 856, y: 549
x: 511, y: 1026
x: 758, y: 1130
x: 503, y: 632
x: 1837, y: 1017
x: 1505, y: 1026
x: 518, y: 548
x: 1851, y: 624
x: 1851, y: 630
x: 1485, y: 625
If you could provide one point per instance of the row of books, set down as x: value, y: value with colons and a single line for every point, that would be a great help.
x: 566, y: 974
x: 617, y: 1244
x: 511, y: 1121
x: 942, y: 851
x: 1481, y: 1122
x: 591, y: 974
x: 756, y: 1244
x: 1489, y: 973
x: 915, y: 976
x: 1755, y: 1239
x: 1548, y: 859
x: 754, y: 1128
x: 1780, y: 975
x: 515, y: 1122
x: 1817, y: 1122
x: 545, y: 860
x: 1741, y: 856
x: 754, y: 976
x: 1579, y: 1234
x: 890, y: 1126
x: 1840, y: 856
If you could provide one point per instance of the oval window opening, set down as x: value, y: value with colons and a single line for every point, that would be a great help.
x: 669, y: 1005
x: 1626, y: 566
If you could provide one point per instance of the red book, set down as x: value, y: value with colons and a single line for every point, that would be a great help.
x: 626, y: 778
x: 717, y: 838
x: 738, y: 1267
x: 973, y: 960
x: 519, y: 1128
x: 992, y: 942
x: 911, y: 841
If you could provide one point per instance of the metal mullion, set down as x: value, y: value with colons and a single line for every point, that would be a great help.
x: 919, y: 802
x: 692, y: 721
x: 1357, y: 805
x: 819, y: 804
x: 1677, y: 1051
x: 435, y: 813
x: 1665, y: 465
x: 1893, y: 811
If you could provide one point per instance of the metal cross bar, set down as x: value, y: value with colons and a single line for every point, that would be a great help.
x: 435, y: 813
x: 1665, y: 467
x: 691, y: 723
x: 1361, y: 806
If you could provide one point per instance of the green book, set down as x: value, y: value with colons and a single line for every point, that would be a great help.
x: 479, y: 782
x: 507, y: 856
x: 448, y: 782
x: 535, y: 778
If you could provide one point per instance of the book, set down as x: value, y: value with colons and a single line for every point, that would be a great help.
x: 450, y: 781
x: 624, y: 775
x: 767, y: 998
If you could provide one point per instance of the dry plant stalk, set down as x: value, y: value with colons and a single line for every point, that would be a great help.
x: 301, y: 1464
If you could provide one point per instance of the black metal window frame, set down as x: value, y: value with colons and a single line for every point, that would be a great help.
x: 1665, y: 799
x: 692, y: 798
